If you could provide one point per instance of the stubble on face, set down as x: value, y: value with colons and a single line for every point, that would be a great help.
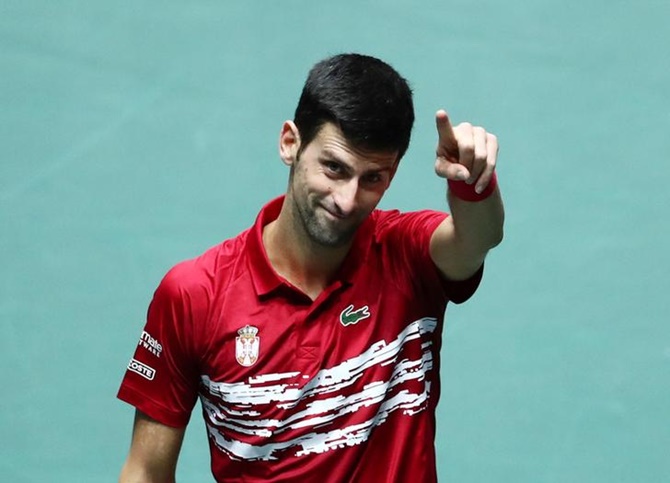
x: 316, y: 181
x: 320, y: 229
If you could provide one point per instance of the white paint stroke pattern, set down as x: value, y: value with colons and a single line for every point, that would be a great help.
x: 236, y: 408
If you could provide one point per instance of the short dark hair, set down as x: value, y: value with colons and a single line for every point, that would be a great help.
x: 364, y: 96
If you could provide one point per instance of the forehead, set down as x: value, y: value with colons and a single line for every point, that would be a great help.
x: 331, y: 143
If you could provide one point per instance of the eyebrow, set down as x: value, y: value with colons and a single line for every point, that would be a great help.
x: 328, y: 155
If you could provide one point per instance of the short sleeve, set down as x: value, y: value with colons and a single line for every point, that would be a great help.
x: 161, y: 379
x: 408, y: 238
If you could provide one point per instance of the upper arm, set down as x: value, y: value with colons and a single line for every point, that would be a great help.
x: 153, y: 451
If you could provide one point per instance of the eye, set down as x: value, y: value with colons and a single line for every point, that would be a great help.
x: 372, y: 178
x: 333, y: 167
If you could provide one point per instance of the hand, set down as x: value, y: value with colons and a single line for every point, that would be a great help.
x: 465, y: 153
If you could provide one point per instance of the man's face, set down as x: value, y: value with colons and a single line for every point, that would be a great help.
x: 334, y: 186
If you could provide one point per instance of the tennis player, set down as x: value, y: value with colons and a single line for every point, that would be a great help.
x: 312, y: 339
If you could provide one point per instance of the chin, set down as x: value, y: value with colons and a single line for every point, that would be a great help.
x: 333, y: 238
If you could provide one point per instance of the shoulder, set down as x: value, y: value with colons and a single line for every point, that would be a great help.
x: 203, y: 272
x: 402, y: 241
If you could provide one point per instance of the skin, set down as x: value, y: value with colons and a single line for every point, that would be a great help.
x: 332, y: 189
x: 154, y: 451
x: 460, y: 244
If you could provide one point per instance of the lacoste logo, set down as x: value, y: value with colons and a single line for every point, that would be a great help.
x: 141, y: 369
x: 349, y: 316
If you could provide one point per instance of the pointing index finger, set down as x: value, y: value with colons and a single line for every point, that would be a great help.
x: 446, y: 138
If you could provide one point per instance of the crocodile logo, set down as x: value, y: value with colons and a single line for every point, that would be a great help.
x: 349, y: 316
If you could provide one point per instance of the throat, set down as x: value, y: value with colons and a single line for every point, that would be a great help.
x: 309, y: 268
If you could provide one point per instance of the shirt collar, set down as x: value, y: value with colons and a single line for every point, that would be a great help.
x: 266, y: 279
x: 263, y: 276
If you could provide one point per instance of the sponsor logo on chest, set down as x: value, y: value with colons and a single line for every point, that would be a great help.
x: 351, y: 316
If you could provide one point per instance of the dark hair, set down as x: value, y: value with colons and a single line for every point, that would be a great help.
x: 365, y: 97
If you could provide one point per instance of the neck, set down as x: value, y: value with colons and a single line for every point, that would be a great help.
x: 302, y: 262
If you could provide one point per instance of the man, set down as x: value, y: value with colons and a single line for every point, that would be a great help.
x: 312, y: 339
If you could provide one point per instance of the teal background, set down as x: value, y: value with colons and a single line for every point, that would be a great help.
x: 134, y: 134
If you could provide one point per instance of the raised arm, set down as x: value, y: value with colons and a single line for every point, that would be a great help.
x: 466, y: 157
x: 153, y: 452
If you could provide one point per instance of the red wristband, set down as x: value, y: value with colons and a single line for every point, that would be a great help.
x: 466, y: 192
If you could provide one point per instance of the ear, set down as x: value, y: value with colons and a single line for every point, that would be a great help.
x: 289, y: 143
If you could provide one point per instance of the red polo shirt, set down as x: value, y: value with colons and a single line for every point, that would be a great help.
x: 342, y: 388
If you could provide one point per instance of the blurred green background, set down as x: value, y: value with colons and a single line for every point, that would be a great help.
x: 134, y: 134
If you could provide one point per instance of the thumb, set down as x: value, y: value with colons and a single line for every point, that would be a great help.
x: 453, y: 171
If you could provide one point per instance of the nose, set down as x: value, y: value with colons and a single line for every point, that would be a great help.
x: 345, y: 195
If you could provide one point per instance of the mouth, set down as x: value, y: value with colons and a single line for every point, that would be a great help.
x: 332, y: 214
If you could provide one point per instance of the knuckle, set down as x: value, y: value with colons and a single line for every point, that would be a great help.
x: 480, y: 153
x: 464, y: 129
x: 441, y: 168
x: 467, y: 145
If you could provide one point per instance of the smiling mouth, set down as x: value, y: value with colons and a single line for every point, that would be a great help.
x: 331, y: 214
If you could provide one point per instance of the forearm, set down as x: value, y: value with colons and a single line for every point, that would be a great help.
x: 154, y: 451
x: 478, y: 225
x: 130, y: 474
x: 465, y: 154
